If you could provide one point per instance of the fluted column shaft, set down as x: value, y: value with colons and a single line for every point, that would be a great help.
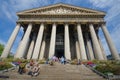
x: 110, y: 43
x: 23, y: 43
x: 81, y: 42
x: 78, y: 50
x: 42, y: 50
x: 67, y: 43
x: 30, y: 51
x: 52, y: 41
x: 103, y: 51
x: 90, y: 50
x: 96, y: 45
x: 10, y: 41
x: 38, y: 42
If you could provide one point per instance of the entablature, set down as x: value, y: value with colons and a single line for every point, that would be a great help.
x: 61, y: 20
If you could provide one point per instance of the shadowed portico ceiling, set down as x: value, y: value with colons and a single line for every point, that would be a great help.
x: 61, y: 9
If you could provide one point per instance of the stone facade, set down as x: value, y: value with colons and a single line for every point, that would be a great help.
x: 61, y: 30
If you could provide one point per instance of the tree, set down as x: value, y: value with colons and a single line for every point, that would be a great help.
x: 1, y: 48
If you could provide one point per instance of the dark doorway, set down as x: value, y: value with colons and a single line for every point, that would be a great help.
x: 59, y: 53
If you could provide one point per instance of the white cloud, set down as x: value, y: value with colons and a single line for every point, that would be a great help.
x: 9, y: 8
x: 7, y: 12
x: 112, y: 6
x: 113, y: 12
x: 101, y: 3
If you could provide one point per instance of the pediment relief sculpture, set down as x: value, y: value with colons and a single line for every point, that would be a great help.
x: 60, y: 11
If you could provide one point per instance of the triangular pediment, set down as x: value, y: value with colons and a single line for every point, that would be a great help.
x: 61, y: 9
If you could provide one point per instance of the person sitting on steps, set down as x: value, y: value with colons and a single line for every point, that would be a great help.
x: 36, y: 70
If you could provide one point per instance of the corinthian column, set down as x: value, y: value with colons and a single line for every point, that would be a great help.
x: 23, y: 44
x: 67, y: 43
x: 38, y: 42
x: 90, y: 50
x: 30, y: 51
x: 96, y: 45
x: 81, y: 42
x: 110, y: 43
x: 10, y: 41
x: 52, y: 41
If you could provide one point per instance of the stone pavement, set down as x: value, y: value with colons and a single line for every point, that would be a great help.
x: 57, y: 72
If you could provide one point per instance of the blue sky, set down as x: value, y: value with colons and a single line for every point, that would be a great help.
x: 8, y: 18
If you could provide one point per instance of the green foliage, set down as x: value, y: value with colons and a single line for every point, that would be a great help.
x: 42, y: 61
x: 20, y: 60
x: 5, y: 65
x: 74, y: 62
x: 1, y: 49
x: 108, y: 67
x: 11, y: 59
x: 7, y: 59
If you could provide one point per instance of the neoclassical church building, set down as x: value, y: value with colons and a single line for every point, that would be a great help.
x: 61, y: 30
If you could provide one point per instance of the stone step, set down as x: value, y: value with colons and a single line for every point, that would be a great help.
x: 57, y: 72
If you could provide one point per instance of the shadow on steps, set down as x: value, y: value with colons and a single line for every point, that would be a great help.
x: 2, y: 76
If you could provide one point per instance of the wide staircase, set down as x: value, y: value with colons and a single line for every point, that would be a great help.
x: 56, y: 72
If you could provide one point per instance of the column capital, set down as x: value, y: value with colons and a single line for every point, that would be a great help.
x: 18, y: 24
x: 42, y: 23
x: 30, y: 23
x: 54, y: 24
x: 103, y: 25
x: 90, y: 24
x: 78, y: 24
x: 66, y: 24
